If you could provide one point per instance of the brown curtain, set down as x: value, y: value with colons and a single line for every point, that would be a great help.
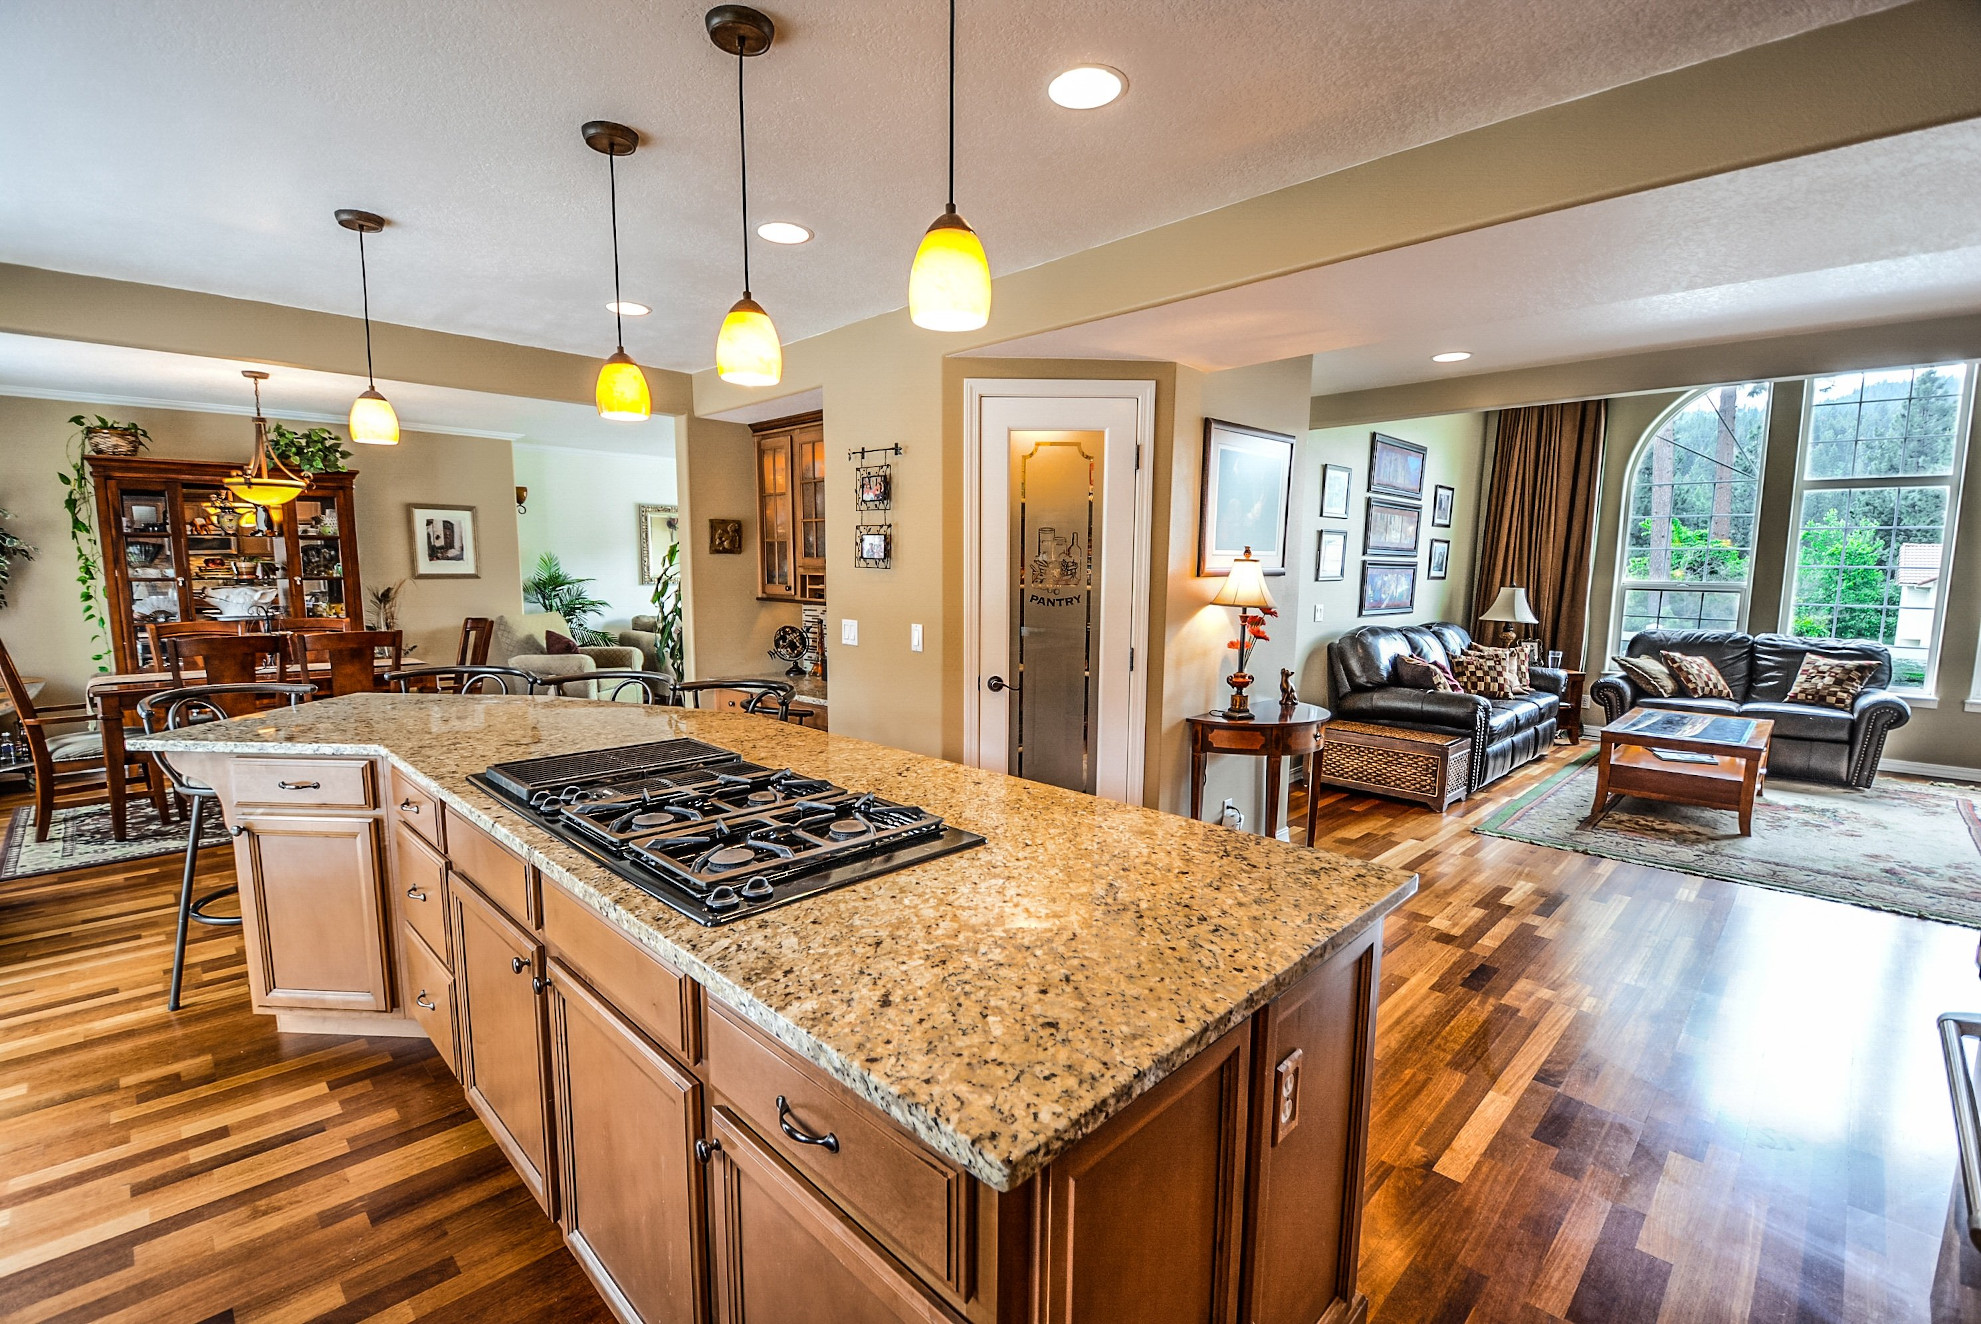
x: 1539, y: 519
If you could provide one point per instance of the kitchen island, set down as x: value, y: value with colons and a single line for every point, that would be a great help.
x: 1113, y: 1064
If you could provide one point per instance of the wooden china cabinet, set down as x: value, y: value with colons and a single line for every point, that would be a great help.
x: 791, y: 508
x: 170, y: 538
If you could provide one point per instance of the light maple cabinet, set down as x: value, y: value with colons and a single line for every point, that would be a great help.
x: 314, y: 914
x: 791, y: 508
x: 498, y: 982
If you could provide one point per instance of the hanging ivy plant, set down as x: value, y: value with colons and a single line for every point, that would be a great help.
x: 317, y: 451
x: 79, y: 500
x: 12, y: 549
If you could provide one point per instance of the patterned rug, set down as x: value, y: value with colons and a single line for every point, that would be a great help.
x: 1910, y: 847
x: 80, y: 838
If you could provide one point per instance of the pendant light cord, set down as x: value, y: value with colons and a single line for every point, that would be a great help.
x: 618, y: 311
x: 952, y: 106
x: 743, y: 156
x: 364, y: 284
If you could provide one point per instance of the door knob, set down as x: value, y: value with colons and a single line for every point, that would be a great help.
x: 996, y: 683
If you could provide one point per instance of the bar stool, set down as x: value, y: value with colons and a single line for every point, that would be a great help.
x: 467, y: 680
x: 751, y: 696
x: 653, y: 687
x: 173, y: 710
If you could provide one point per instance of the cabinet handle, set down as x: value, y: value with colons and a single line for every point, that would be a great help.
x: 416, y: 894
x: 518, y: 964
x: 707, y: 1149
x: 828, y: 1142
x: 424, y: 1001
x: 300, y: 786
x: 408, y: 807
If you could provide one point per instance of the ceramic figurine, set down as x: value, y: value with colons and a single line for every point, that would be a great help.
x: 1287, y: 697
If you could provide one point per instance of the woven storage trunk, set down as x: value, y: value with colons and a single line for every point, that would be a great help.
x: 1424, y: 766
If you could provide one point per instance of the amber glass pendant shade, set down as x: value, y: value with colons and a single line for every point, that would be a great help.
x: 372, y: 421
x: 622, y: 390
x: 747, y: 352
x: 949, y: 287
x: 264, y: 480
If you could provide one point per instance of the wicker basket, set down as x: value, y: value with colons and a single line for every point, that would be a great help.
x: 112, y: 441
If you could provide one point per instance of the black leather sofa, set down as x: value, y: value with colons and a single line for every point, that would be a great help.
x: 1811, y: 742
x: 1505, y: 732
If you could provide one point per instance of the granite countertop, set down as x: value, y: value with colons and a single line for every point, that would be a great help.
x: 1001, y: 1002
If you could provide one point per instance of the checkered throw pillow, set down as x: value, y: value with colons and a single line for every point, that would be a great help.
x: 1829, y: 681
x: 1491, y: 673
x: 1697, y: 677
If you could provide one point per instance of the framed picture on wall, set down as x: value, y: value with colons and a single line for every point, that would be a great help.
x: 1396, y: 466
x: 1248, y: 477
x: 659, y: 528
x: 1336, y: 479
x: 1442, y: 498
x: 1391, y: 528
x: 725, y: 537
x: 1389, y: 588
x: 444, y: 544
x: 1440, y: 558
x: 1331, y: 556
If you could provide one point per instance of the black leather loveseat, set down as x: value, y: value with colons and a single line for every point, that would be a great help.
x: 1811, y: 742
x: 1505, y: 732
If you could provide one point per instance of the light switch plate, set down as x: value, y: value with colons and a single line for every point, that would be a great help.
x: 849, y: 633
x: 1317, y: 613
x: 914, y: 638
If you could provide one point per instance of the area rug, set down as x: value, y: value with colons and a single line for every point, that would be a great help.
x: 1909, y: 847
x: 80, y: 839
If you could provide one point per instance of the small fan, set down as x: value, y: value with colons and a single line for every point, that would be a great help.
x: 789, y: 645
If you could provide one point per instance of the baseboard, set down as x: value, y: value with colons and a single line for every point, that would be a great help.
x: 1944, y: 771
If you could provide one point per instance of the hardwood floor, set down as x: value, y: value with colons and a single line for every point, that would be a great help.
x: 1604, y: 1093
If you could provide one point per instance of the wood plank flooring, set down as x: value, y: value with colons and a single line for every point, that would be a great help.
x: 1604, y: 1093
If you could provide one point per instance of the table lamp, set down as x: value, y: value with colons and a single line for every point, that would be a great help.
x: 1245, y: 589
x: 1511, y: 608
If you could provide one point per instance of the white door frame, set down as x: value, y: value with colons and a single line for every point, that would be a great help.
x: 1126, y: 475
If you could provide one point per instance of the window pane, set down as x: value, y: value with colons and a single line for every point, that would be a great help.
x: 1868, y: 564
x: 1894, y: 423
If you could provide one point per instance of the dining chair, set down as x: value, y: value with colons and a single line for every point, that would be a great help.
x: 465, y: 680
x: 227, y: 659
x: 62, y: 759
x: 351, y: 656
x: 652, y: 686
x: 748, y: 696
x: 476, y: 631
x: 157, y: 632
x: 173, y: 710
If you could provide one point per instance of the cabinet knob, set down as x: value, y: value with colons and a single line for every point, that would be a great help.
x: 538, y: 984
x: 425, y: 1001
x: 707, y: 1149
x: 517, y: 964
x: 828, y: 1142
x: 415, y: 894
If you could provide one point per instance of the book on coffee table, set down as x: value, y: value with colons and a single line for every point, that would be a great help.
x: 1682, y: 756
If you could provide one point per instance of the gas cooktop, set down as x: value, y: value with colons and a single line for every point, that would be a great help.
x: 712, y: 835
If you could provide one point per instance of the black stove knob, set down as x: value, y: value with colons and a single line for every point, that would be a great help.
x: 723, y: 897
x: 756, y: 889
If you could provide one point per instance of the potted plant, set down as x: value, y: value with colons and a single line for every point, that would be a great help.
x: 12, y: 549
x: 106, y: 437
x: 667, y: 608
x: 317, y: 451
x: 552, y: 588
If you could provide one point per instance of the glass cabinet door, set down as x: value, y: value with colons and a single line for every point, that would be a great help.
x: 237, y: 561
x: 320, y: 570
x: 151, y: 564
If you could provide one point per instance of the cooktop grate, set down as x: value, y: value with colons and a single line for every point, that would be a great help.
x: 626, y: 761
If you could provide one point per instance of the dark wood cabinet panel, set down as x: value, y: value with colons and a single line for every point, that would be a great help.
x: 497, y: 966
x: 314, y: 916
x: 631, y: 1193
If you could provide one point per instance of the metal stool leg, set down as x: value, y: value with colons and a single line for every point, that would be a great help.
x: 186, y: 901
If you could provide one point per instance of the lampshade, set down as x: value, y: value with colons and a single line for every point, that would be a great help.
x: 1245, y: 586
x: 622, y: 390
x: 746, y: 349
x: 372, y: 421
x: 949, y: 287
x: 1511, y: 605
x: 265, y: 491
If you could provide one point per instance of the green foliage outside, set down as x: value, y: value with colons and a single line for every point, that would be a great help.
x: 552, y: 588
x: 667, y: 607
x: 1695, y: 555
x: 12, y: 549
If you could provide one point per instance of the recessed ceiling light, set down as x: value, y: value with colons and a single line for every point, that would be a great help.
x: 783, y: 232
x: 627, y: 308
x: 1087, y: 86
x: 1452, y: 356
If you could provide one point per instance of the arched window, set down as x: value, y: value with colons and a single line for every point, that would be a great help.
x: 1688, y: 518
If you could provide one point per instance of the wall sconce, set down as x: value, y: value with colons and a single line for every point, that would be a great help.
x: 522, y: 495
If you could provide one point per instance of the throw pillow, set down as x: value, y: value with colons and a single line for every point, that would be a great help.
x: 1518, y: 679
x: 1487, y: 672
x: 1649, y: 675
x: 509, y: 640
x: 1829, y: 681
x: 1417, y: 674
x: 1696, y: 676
x: 559, y: 644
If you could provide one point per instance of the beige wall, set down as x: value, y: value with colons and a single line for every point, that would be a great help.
x: 44, y: 627
x: 728, y: 630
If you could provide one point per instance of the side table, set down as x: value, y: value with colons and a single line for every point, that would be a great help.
x: 1570, y: 719
x: 1274, y: 732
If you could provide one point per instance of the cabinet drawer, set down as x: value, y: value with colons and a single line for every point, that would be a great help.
x: 646, y: 990
x: 422, y: 884
x: 419, y: 811
x: 917, y: 1204
x: 306, y: 783
x: 501, y: 876
x: 430, y: 995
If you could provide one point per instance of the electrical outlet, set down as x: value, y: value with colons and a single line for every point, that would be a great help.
x: 914, y: 638
x: 1317, y: 613
x: 1231, y: 815
x: 849, y: 633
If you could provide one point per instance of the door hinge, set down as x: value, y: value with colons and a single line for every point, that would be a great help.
x: 1131, y: 659
x: 1138, y: 457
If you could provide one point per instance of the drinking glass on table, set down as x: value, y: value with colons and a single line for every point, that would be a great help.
x: 1554, y: 659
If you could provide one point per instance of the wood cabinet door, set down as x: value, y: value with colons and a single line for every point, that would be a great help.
x: 315, y: 915
x: 500, y: 1015
x: 776, y: 548
x: 631, y: 1190
x: 782, y: 1252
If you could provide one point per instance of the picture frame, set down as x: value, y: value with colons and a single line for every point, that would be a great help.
x: 445, y: 545
x: 1440, y: 560
x: 871, y: 487
x: 1336, y: 482
x: 725, y: 537
x: 874, y: 546
x: 1391, y: 528
x: 658, y: 528
x: 1247, y: 489
x: 1396, y: 466
x: 1389, y: 588
x: 1442, y: 500
x: 1331, y: 555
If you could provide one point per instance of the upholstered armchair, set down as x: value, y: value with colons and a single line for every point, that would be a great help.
x: 518, y: 641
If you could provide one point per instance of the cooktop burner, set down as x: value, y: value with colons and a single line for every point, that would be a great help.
x: 712, y: 835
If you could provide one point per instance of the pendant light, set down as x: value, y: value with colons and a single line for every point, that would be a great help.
x: 747, y: 351
x: 372, y: 421
x: 622, y: 388
x: 257, y: 483
x: 949, y: 287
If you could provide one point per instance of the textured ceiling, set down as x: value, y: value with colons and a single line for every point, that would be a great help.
x: 203, y: 145
x: 1879, y: 231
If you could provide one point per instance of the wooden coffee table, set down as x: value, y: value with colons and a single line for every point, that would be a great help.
x: 1634, y: 760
